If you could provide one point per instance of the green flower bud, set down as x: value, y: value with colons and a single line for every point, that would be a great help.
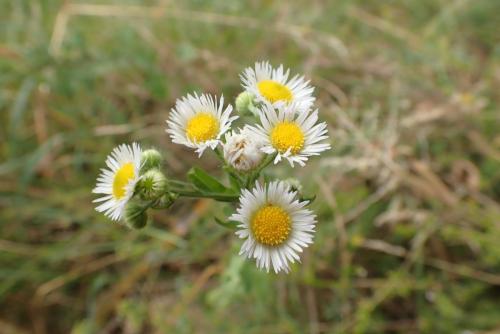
x: 135, y: 215
x: 152, y: 184
x: 166, y: 201
x: 245, y: 103
x: 151, y: 159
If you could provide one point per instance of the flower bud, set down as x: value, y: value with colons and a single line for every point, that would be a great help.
x: 245, y: 103
x: 152, y: 184
x: 135, y: 215
x: 151, y: 159
x: 242, y: 150
x: 166, y: 200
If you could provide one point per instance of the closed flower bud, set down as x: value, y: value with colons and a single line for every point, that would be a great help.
x: 152, y: 184
x: 245, y: 103
x: 242, y: 151
x: 135, y: 215
x: 151, y: 159
x: 166, y: 200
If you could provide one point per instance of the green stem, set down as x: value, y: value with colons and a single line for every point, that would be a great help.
x: 183, y: 192
x: 255, y: 175
x: 219, y: 154
x: 266, y: 162
x: 215, y: 196
x: 150, y: 204
x: 186, y: 189
x: 236, y: 176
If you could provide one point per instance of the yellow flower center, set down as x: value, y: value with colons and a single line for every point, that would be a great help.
x: 274, y: 91
x: 271, y: 225
x: 287, y: 135
x: 202, y: 127
x: 122, y: 178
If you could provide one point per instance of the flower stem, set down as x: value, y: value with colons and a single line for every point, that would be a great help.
x: 215, y: 196
x: 185, y: 189
x: 255, y: 175
x: 219, y: 154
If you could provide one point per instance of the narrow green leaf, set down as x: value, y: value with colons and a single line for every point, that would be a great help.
x: 204, y: 181
x: 227, y: 224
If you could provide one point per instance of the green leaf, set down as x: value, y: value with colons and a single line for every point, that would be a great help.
x: 21, y: 103
x: 310, y: 198
x: 227, y: 224
x: 204, y: 181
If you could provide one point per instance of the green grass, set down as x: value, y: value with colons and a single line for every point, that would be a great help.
x: 407, y: 199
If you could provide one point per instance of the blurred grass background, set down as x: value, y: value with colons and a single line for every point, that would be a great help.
x: 408, y: 200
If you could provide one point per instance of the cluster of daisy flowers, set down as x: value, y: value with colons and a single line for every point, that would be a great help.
x: 277, y: 123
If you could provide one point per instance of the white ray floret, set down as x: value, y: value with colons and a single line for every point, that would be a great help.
x: 199, y: 121
x: 276, y: 226
x: 271, y: 85
x: 289, y: 135
x: 117, y: 182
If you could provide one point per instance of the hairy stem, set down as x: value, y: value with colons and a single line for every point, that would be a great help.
x: 217, y: 197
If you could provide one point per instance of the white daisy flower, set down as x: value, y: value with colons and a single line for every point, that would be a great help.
x: 292, y: 136
x: 273, y: 86
x: 242, y: 150
x: 199, y: 121
x: 117, y: 182
x: 275, y: 224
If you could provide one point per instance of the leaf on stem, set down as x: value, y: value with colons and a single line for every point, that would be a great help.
x: 227, y: 224
x: 205, y: 182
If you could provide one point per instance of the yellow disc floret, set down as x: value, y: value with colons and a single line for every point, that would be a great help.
x: 202, y: 127
x: 274, y: 91
x: 122, y: 178
x: 271, y: 225
x: 287, y: 135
